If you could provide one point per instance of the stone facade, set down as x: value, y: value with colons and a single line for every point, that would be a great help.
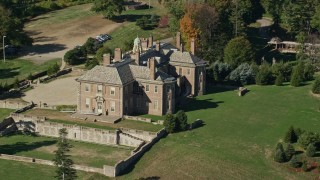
x: 147, y: 81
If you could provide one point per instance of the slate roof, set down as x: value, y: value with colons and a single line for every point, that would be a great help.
x: 119, y: 74
x: 143, y: 72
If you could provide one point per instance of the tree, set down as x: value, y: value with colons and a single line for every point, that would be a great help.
x: 91, y: 63
x: 182, y: 120
x: 308, y: 72
x: 187, y: 28
x: 316, y: 86
x: 30, y: 77
x: 289, y: 151
x: 279, y: 156
x: 75, y: 56
x: 237, y: 51
x: 220, y: 71
x: 16, y: 83
x: 53, y: 69
x: 315, y: 22
x: 103, y: 50
x: 170, y: 123
x: 62, y: 160
x: 109, y: 8
x: 294, y: 162
x: 290, y: 136
x: 91, y: 46
x: 305, y: 166
x: 307, y: 138
x: 279, y: 146
x: 143, y: 22
x: 311, y: 150
x: 243, y: 74
x: 264, y: 76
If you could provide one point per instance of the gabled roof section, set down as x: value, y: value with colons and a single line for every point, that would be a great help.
x: 184, y: 57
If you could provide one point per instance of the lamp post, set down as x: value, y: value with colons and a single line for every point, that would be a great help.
x: 4, y: 50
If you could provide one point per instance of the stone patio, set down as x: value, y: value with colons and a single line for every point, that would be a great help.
x: 94, y: 118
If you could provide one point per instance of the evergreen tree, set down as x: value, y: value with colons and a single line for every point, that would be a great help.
x: 182, y: 120
x: 290, y: 136
x: 109, y: 8
x: 305, y: 166
x: 316, y: 86
x: 280, y: 146
x: 279, y: 80
x: 264, y: 76
x: 290, y: 151
x: 279, y: 156
x: 297, y: 76
x: 63, y: 162
x: 311, y: 150
x: 170, y: 123
x: 294, y: 162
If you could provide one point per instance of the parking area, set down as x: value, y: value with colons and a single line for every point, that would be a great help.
x: 59, y: 92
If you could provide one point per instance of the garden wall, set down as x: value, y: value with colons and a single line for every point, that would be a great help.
x: 145, y: 135
x: 136, y: 118
x: 121, y: 166
x: 12, y: 104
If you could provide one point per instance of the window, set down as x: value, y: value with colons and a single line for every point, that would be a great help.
x: 147, y: 88
x: 87, y: 103
x: 87, y: 86
x: 189, y: 71
x: 180, y: 71
x: 112, y: 91
x: 99, y: 89
x: 156, y: 89
x: 155, y: 104
x: 112, y: 106
x: 147, y: 104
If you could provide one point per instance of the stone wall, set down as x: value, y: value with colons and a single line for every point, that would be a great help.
x: 136, y: 118
x: 145, y: 135
x: 121, y: 166
x: 23, y: 117
x: 12, y: 104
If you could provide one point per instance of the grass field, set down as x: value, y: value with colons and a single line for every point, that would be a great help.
x: 237, y: 139
x: 5, y: 113
x: 129, y: 31
x: 82, y: 153
x: 13, y: 170
x: 20, y: 68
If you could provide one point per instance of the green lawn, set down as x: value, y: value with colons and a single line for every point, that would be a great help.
x: 237, y: 139
x: 82, y: 153
x: 13, y: 170
x: 20, y: 68
x: 5, y: 113
x: 61, y: 16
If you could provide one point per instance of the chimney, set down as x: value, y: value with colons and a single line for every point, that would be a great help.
x: 178, y: 40
x: 137, y: 58
x: 181, y: 47
x: 150, y: 41
x: 117, y: 55
x: 193, y: 46
x: 152, y: 67
x: 106, y: 59
x: 158, y: 46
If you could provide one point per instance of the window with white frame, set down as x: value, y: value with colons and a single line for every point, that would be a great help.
x: 87, y: 87
x: 147, y: 88
x: 156, y: 89
x: 99, y: 88
x: 87, y: 103
x: 112, y: 90
x: 112, y: 106
x: 155, y: 104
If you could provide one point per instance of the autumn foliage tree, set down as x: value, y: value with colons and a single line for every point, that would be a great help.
x: 187, y: 28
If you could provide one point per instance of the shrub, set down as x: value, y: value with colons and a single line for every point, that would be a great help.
x: 75, y: 56
x: 279, y: 146
x: 143, y: 22
x: 30, y: 77
x: 311, y: 150
x: 308, y: 72
x: 290, y: 136
x: 170, y: 124
x: 91, y: 46
x: 264, y: 76
x: 316, y: 86
x: 101, y: 51
x: 91, y: 63
x: 243, y: 74
x: 279, y: 80
x: 53, y: 69
x: 279, y: 156
x: 290, y: 151
x: 16, y: 83
x: 182, y: 120
x: 297, y: 76
x: 294, y: 162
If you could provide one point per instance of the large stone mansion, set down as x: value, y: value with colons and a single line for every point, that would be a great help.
x: 150, y: 79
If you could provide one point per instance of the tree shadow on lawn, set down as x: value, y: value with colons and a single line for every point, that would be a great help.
x: 9, y: 72
x: 23, y: 146
x: 196, y: 104
x: 129, y: 17
x: 39, y: 49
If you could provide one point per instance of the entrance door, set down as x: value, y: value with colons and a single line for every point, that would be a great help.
x: 99, y: 107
